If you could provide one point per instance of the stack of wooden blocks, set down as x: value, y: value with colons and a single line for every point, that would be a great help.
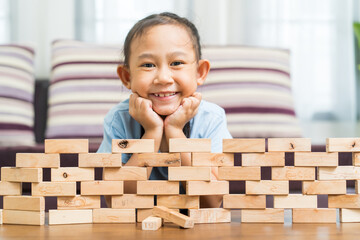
x: 319, y: 173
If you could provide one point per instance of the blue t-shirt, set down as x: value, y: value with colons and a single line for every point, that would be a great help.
x: 209, y: 122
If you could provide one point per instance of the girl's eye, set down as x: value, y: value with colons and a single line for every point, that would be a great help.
x: 176, y: 63
x: 148, y: 65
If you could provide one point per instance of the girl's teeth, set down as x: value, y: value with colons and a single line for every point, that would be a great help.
x: 164, y: 95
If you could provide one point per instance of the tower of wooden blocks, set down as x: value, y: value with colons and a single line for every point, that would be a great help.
x: 318, y: 172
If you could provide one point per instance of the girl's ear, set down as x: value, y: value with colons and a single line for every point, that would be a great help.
x: 202, y: 71
x: 124, y: 75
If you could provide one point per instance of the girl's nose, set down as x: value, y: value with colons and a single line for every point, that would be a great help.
x: 163, y: 76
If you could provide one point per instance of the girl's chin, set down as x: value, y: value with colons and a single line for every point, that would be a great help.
x: 164, y: 111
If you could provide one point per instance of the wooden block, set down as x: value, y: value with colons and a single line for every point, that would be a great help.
x: 23, y: 217
x: 189, y: 173
x: 70, y: 216
x: 25, y: 203
x: 207, y: 188
x: 293, y: 173
x: 295, y: 201
x: 267, y: 187
x: 66, y: 145
x: 242, y: 201
x: 125, y: 174
x: 72, y: 174
x: 245, y: 145
x: 269, y: 215
x: 339, y: 173
x: 110, y: 215
x: 289, y: 145
x: 316, y: 159
x: 37, y: 160
x: 128, y: 201
x: 317, y: 215
x: 356, y: 159
x: 142, y: 214
x: 159, y: 159
x: 173, y: 216
x: 53, y: 189
x: 210, y: 215
x: 344, y: 201
x: 102, y: 188
x: 179, y: 201
x: 99, y: 160
x: 190, y: 145
x: 133, y: 146
x: 151, y: 223
x: 157, y: 187
x: 239, y: 173
x: 343, y: 144
x: 78, y: 202
x: 10, y: 188
x: 263, y: 159
x: 212, y: 159
x: 12, y: 174
x: 324, y: 187
x: 349, y: 215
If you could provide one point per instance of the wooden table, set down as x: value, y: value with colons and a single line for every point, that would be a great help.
x: 233, y: 230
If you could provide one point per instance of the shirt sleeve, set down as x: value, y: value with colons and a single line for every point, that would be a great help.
x: 218, y: 132
x: 105, y: 146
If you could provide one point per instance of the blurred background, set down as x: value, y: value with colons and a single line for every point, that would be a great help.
x: 319, y: 34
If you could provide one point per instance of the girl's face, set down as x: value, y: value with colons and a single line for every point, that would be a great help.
x: 163, y: 67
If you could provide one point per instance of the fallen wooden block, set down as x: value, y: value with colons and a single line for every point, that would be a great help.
x: 242, y: 201
x: 23, y: 217
x: 313, y: 215
x: 212, y: 159
x: 269, y: 215
x: 24, y: 203
x: 110, y: 215
x: 99, y: 160
x: 239, y: 173
x: 72, y: 174
x: 344, y: 201
x: 349, y: 215
x: 142, y: 214
x: 295, y: 201
x: 53, y: 189
x: 270, y: 159
x: 10, y: 188
x: 267, y: 187
x: 343, y: 144
x: 173, y: 216
x: 66, y: 145
x: 11, y: 174
x: 159, y: 159
x: 128, y: 201
x: 246, y: 145
x: 179, y: 201
x: 78, y: 202
x: 151, y: 223
x: 37, y: 160
x: 125, y: 173
x: 157, y: 187
x: 289, y: 145
x: 316, y: 159
x: 189, y: 173
x: 324, y: 187
x: 95, y: 188
x: 339, y: 173
x: 189, y: 145
x: 293, y: 173
x: 133, y: 146
x: 207, y: 188
x: 70, y: 216
x: 210, y: 215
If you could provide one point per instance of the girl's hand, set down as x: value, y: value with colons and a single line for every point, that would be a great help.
x: 186, y: 111
x: 141, y: 110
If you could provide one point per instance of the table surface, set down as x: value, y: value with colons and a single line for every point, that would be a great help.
x: 233, y: 230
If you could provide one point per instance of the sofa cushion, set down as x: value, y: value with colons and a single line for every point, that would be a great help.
x: 17, y: 84
x: 83, y: 87
x: 253, y: 85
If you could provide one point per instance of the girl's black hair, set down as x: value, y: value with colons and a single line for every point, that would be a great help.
x: 161, y: 19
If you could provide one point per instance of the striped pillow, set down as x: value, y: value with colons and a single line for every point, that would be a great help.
x: 17, y: 84
x: 83, y: 87
x: 253, y: 86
